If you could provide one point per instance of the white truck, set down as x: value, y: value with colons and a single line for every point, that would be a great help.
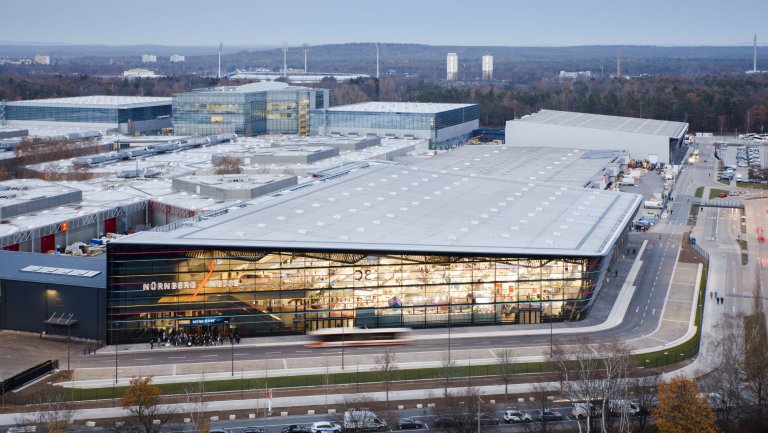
x: 627, y: 181
x: 363, y: 420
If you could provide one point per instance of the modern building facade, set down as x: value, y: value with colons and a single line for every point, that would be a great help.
x: 452, y: 66
x: 487, y: 67
x: 248, y: 110
x: 148, y: 58
x: 644, y: 139
x: 373, y: 249
x: 48, y: 293
x: 177, y: 58
x: 445, y: 125
x: 126, y: 114
x: 42, y: 60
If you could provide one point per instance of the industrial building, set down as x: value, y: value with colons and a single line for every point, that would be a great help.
x: 124, y: 114
x: 375, y: 248
x: 644, y: 139
x: 53, y: 294
x: 247, y: 110
x: 445, y: 125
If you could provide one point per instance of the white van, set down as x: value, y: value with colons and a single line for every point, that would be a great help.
x: 363, y: 420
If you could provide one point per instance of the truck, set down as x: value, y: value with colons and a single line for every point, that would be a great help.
x: 363, y: 420
x: 627, y: 181
x: 653, y: 204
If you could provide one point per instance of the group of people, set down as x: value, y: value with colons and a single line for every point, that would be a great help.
x: 183, y: 338
x: 718, y: 299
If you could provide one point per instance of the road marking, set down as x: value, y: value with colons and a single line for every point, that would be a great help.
x: 273, y: 353
x: 176, y: 357
x: 143, y: 359
x: 637, y: 310
x: 653, y: 312
x: 209, y: 356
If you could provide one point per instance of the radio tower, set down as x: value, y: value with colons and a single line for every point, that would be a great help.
x: 618, y: 65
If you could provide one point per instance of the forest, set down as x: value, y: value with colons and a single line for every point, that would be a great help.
x: 722, y: 104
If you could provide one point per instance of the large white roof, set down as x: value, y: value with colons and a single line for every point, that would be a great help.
x: 97, y: 101
x: 415, y: 210
x: 573, y: 167
x: 611, y: 123
x: 400, y: 107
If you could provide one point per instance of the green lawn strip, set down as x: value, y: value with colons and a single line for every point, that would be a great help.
x: 693, y: 215
x: 656, y: 359
x: 752, y: 185
x: 724, y: 182
x: 714, y: 192
x: 744, y: 254
x: 699, y: 192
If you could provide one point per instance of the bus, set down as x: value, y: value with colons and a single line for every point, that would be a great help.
x: 337, y: 337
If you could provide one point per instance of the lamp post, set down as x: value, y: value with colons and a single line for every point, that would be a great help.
x: 232, y: 351
x: 116, y: 348
x: 342, y: 340
x: 551, y: 331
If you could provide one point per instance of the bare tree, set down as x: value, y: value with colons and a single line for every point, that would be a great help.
x: 53, y: 414
x: 386, y: 368
x: 458, y: 412
x: 447, y: 368
x: 580, y: 381
x: 756, y: 358
x: 543, y: 393
x: 725, y: 378
x: 616, y: 362
x: 195, y: 396
x: 505, y: 368
x: 643, y: 391
x: 227, y: 165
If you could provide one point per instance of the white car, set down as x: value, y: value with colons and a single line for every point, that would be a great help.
x: 325, y: 427
x: 515, y: 416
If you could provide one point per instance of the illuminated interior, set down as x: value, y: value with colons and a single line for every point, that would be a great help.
x: 271, y: 293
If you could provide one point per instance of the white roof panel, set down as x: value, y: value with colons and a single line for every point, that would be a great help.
x: 400, y: 107
x: 410, y: 209
x: 101, y: 101
x: 611, y: 123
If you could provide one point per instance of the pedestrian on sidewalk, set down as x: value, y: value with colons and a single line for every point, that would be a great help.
x: 151, y: 343
x: 710, y: 294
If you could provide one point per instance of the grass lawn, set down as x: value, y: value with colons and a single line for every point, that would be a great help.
x: 714, y: 192
x: 752, y: 185
x: 699, y: 192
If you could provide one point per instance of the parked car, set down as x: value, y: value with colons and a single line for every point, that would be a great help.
x: 217, y: 430
x: 324, y: 427
x: 256, y: 429
x: 444, y: 421
x: 515, y: 416
x: 486, y: 419
x: 723, y: 195
x: 546, y: 415
x: 294, y: 429
x: 409, y: 424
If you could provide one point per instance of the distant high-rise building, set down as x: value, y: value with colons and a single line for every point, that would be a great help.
x: 148, y: 58
x: 488, y: 67
x: 42, y: 60
x: 176, y: 58
x: 453, y: 66
x: 575, y: 75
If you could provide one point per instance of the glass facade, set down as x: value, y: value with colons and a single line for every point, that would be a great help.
x: 284, y: 111
x: 155, y: 290
x: 422, y: 125
x: 112, y: 115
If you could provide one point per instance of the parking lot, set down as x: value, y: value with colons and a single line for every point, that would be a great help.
x: 738, y: 159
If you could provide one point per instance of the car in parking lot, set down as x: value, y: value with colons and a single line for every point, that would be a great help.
x: 486, y: 419
x: 444, y: 421
x: 293, y: 429
x: 409, y: 424
x: 516, y: 416
x: 257, y: 429
x: 324, y: 427
x: 723, y: 195
x: 546, y: 415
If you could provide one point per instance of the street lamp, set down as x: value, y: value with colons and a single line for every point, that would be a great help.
x: 117, y: 334
x: 666, y: 358
x: 342, y: 340
x: 232, y: 346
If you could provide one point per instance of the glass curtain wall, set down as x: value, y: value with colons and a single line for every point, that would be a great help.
x: 154, y: 293
x: 219, y: 112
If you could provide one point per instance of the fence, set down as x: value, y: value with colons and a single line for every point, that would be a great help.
x: 28, y: 375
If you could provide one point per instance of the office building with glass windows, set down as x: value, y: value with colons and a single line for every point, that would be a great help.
x: 126, y: 114
x: 445, y: 125
x: 389, y: 246
x: 247, y: 110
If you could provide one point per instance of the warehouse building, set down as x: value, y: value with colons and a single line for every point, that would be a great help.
x: 53, y: 294
x: 382, y: 247
x: 644, y: 139
x: 124, y: 114
x: 444, y: 125
x: 247, y: 110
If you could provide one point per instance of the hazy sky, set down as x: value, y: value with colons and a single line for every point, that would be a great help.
x: 435, y: 22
